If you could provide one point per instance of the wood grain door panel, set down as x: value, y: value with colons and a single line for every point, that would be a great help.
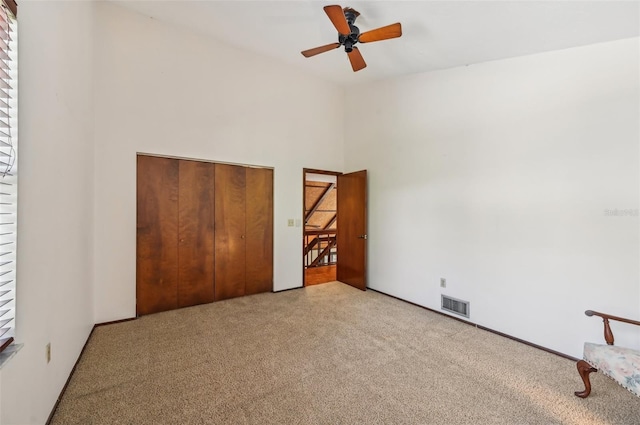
x: 156, y: 241
x: 196, y: 233
x: 259, y: 240
x: 352, y: 228
x: 230, y: 231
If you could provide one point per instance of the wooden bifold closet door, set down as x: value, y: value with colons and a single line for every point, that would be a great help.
x: 157, y: 230
x: 259, y: 228
x: 204, y: 232
x: 244, y: 231
x: 195, y: 233
x: 174, y: 234
x: 230, y: 231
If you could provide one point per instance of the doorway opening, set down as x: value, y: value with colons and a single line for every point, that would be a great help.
x: 320, y: 212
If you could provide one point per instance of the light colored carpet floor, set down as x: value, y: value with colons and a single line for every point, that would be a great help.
x: 326, y: 354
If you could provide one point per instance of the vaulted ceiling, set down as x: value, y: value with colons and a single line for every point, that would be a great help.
x: 436, y: 34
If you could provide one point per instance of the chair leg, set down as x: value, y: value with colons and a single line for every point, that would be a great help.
x: 584, y: 369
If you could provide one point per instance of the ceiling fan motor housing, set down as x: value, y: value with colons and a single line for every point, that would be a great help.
x: 348, y: 41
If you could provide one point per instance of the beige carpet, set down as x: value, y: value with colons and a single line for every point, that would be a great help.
x: 327, y: 354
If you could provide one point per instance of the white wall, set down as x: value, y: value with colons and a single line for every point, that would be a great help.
x: 496, y: 177
x: 54, y: 295
x: 163, y: 90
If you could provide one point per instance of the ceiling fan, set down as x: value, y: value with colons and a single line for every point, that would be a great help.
x: 349, y: 35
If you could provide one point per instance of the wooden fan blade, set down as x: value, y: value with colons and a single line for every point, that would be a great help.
x: 356, y: 59
x: 338, y: 20
x: 383, y: 33
x: 318, y: 50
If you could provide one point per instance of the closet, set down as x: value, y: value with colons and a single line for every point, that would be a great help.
x: 204, y: 232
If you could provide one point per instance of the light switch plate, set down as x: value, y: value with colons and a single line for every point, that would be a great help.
x: 290, y: 222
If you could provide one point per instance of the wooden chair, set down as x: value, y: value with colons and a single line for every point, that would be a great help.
x: 620, y: 364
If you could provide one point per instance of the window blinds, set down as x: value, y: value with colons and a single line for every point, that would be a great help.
x: 8, y: 171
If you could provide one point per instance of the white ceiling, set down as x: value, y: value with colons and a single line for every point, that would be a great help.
x: 436, y: 34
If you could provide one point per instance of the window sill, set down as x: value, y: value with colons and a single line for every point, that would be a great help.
x: 8, y: 353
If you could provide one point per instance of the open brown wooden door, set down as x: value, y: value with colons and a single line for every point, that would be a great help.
x: 352, y: 229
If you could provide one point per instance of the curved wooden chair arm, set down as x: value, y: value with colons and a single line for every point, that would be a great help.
x: 608, y: 335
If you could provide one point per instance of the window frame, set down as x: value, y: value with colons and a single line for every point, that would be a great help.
x: 8, y: 175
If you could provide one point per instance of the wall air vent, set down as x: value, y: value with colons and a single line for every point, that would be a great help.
x: 453, y: 305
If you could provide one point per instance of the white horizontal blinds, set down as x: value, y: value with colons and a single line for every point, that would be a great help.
x: 8, y: 172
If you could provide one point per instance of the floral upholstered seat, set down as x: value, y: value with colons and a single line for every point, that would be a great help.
x: 618, y: 363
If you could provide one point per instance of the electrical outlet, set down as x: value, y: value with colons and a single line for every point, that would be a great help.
x: 290, y: 222
x: 443, y: 282
x: 48, y: 352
